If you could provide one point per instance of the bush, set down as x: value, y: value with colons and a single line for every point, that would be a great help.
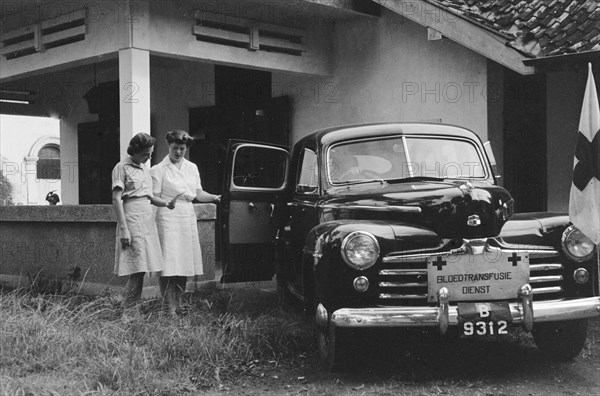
x: 6, y: 190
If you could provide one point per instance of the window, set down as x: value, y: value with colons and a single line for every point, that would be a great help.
x: 444, y: 158
x: 259, y: 167
x: 48, y: 165
x: 397, y: 158
x: 309, y: 173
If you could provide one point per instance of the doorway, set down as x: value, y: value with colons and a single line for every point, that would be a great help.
x: 98, y: 153
x: 98, y: 144
x: 525, y: 158
x: 244, y: 109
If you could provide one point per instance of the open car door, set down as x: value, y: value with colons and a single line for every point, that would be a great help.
x: 253, y: 209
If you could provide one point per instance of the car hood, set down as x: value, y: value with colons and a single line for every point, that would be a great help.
x: 456, y: 209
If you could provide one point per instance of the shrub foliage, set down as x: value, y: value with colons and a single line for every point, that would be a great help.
x: 6, y: 190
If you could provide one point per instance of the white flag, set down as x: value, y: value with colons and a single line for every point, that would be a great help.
x: 584, y: 201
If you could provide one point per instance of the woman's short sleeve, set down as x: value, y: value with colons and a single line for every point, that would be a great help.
x: 157, y: 173
x: 198, y: 184
x: 118, y: 177
x: 149, y: 180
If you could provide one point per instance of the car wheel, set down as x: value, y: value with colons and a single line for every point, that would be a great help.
x: 333, y: 345
x: 560, y: 340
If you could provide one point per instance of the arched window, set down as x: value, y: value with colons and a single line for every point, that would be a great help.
x: 48, y: 165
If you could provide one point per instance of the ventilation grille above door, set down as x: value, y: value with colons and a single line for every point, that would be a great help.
x: 52, y: 33
x: 244, y: 33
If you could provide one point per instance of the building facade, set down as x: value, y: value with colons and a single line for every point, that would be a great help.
x: 275, y: 70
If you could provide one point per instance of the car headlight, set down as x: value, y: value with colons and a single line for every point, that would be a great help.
x: 576, y: 245
x: 360, y: 250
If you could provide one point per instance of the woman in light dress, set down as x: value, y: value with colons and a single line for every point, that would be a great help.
x: 176, y: 178
x: 137, y: 248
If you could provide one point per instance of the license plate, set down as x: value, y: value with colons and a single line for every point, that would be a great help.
x: 483, y: 319
x: 478, y: 277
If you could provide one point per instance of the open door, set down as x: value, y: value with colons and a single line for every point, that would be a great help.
x: 253, y: 209
x: 98, y: 153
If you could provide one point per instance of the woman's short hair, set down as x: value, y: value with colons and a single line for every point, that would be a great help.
x: 179, y: 136
x: 139, y: 143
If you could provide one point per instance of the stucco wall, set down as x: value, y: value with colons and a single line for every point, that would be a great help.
x: 52, y: 240
x: 495, y: 108
x: 18, y: 137
x: 107, y: 30
x: 387, y: 70
x: 172, y: 36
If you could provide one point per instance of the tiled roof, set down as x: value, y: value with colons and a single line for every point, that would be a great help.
x: 536, y: 28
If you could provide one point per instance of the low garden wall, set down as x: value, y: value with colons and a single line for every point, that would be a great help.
x: 73, y: 246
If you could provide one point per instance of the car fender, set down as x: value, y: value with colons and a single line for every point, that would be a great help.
x: 535, y: 229
x: 332, y: 234
x: 326, y: 276
x: 540, y: 231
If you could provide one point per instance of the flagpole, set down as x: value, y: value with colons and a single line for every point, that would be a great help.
x: 584, y: 197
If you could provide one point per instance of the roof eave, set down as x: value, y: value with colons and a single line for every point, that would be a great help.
x: 577, y: 57
x: 467, y: 33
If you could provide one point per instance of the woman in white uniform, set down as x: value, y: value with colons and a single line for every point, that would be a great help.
x: 176, y: 178
x: 137, y: 249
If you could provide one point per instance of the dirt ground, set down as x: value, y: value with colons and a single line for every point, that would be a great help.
x: 392, y: 363
x: 486, y: 367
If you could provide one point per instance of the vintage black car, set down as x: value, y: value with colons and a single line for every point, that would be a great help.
x: 404, y: 225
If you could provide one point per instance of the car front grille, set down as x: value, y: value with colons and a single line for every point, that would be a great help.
x: 403, y: 278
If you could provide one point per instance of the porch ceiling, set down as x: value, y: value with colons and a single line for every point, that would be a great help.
x: 58, y: 92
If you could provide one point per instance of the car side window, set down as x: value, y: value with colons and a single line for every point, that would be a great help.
x: 259, y: 167
x: 308, y: 178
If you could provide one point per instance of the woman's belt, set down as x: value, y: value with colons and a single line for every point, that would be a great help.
x: 132, y: 198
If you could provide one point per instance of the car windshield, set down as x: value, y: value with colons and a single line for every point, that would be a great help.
x: 398, y: 158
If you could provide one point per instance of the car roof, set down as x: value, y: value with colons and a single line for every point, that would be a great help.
x: 348, y: 132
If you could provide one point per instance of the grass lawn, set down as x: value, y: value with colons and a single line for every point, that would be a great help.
x: 74, y: 345
x: 241, y: 342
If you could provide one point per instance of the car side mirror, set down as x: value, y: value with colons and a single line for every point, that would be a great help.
x: 490, y: 153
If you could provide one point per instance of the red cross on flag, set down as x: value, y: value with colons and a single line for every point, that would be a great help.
x: 584, y: 201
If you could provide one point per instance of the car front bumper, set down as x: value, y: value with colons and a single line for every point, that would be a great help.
x: 444, y: 316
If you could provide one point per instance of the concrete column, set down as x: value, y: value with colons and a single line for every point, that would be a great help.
x: 69, y: 158
x: 134, y: 94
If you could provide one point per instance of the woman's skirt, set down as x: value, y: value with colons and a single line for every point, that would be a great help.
x: 178, y: 233
x: 143, y: 254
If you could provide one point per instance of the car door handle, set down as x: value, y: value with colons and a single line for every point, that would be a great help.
x: 295, y: 204
x: 251, y: 206
x: 272, y: 210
